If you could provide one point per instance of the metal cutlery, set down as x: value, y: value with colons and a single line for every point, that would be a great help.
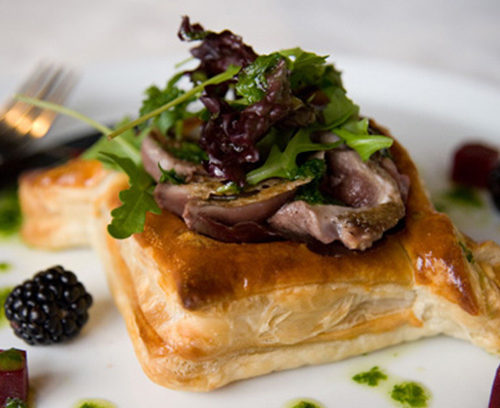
x: 21, y: 124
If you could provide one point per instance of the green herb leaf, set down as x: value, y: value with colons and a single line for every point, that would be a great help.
x: 371, y: 377
x: 170, y: 176
x: 252, y: 82
x: 284, y: 164
x: 410, y: 393
x: 314, y: 168
x: 309, y: 69
x: 10, y: 212
x: 137, y: 200
x: 355, y: 135
x: 306, y: 68
x: 157, y: 97
x: 194, y: 92
x: 190, y: 152
x: 310, y: 192
x: 339, y: 109
x: 331, y: 78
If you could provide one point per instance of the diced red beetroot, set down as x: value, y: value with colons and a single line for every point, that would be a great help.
x: 13, y: 376
x: 473, y: 163
x: 495, y: 391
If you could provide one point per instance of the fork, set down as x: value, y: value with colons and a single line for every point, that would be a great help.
x: 21, y: 123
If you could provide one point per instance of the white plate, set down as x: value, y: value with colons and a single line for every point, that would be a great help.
x: 429, y: 112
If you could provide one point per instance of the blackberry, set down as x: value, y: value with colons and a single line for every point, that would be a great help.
x: 50, y: 308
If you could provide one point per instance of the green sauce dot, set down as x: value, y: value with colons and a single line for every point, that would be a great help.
x: 94, y: 403
x: 303, y: 403
x: 371, y: 377
x: 5, y: 266
x: 410, y: 394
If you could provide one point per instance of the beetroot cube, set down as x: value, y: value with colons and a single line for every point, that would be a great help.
x: 473, y: 163
x: 13, y: 375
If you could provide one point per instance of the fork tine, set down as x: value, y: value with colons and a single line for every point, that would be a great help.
x: 35, y: 86
x: 21, y: 122
x: 26, y: 112
x: 30, y: 86
x: 58, y: 94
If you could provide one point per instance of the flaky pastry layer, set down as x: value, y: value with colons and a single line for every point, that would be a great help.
x: 203, y: 313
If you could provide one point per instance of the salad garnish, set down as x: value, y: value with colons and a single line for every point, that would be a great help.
x: 256, y: 117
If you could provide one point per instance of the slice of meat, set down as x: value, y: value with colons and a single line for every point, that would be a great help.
x: 255, y: 205
x: 356, y: 228
x: 171, y: 197
x: 174, y: 198
x: 373, y: 199
x: 402, y: 180
x: 153, y: 154
x: 240, y: 219
x: 357, y: 183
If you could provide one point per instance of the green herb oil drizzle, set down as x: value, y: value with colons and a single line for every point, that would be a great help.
x: 408, y: 394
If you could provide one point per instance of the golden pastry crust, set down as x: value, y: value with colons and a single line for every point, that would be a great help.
x: 202, y: 313
x: 58, y: 203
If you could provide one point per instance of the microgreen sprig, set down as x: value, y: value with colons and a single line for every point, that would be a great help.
x: 225, y: 76
x: 63, y: 110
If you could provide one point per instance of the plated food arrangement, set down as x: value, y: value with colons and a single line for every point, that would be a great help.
x: 251, y: 221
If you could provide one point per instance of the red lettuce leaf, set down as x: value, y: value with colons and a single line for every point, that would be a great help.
x: 217, y: 51
x: 230, y: 136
